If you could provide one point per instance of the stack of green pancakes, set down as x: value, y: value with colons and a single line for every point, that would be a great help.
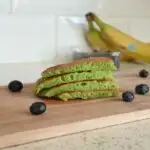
x: 88, y: 78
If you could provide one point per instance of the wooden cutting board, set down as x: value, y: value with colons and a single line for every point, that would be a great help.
x: 18, y: 126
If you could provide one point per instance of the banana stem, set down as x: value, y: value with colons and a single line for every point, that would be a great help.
x: 90, y: 25
x: 99, y: 22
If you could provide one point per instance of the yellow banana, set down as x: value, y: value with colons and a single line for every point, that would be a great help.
x: 124, y: 43
x: 94, y: 39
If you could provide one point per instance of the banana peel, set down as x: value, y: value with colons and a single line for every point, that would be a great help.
x: 92, y: 36
x: 94, y: 40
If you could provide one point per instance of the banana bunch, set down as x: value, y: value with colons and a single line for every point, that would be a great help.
x: 115, y: 40
x: 95, y: 41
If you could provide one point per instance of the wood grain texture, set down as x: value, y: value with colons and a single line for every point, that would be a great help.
x: 18, y: 126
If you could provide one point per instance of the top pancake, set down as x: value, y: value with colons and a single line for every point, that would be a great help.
x: 82, y: 65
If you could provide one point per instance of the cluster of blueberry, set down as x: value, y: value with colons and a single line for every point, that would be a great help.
x: 141, y: 89
x: 38, y: 108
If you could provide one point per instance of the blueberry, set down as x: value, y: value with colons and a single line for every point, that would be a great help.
x: 15, y: 86
x: 143, y: 73
x: 37, y: 108
x: 142, y: 89
x: 128, y: 96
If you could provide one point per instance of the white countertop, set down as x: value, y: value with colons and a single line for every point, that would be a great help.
x: 132, y: 136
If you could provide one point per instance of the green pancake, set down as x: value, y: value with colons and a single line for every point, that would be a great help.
x: 84, y: 65
x: 87, y: 95
x: 79, y: 86
x: 73, y: 77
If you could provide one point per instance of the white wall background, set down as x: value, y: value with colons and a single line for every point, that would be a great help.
x: 33, y: 31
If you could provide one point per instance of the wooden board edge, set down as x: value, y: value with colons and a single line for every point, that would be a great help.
x: 62, y: 130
